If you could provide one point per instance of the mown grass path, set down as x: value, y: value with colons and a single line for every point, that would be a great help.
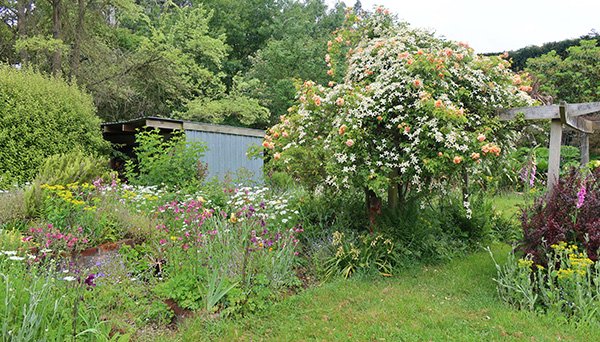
x: 452, y: 302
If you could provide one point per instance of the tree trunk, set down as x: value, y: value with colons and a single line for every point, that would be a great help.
x: 393, y: 190
x: 81, y: 8
x: 373, y: 208
x: 56, y: 34
x: 22, y: 28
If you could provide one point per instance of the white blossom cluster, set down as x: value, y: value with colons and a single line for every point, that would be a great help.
x: 409, y: 102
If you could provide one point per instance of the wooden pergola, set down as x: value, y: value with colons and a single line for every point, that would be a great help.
x: 569, y: 115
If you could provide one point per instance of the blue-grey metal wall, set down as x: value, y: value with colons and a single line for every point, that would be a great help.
x: 227, y: 153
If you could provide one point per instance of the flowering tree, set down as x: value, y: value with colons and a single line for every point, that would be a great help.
x: 413, y: 110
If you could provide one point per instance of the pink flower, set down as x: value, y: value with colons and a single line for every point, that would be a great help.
x: 163, y: 241
x: 277, y: 155
x: 27, y: 238
x: 186, y: 246
x: 339, y: 101
x: 581, y: 195
x: 457, y: 159
x: 350, y: 142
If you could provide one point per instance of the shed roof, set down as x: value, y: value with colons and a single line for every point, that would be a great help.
x: 130, y: 126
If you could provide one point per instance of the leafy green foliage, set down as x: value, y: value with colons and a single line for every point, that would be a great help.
x: 41, y: 117
x: 296, y: 52
x: 171, y: 161
x: 63, y: 169
x: 574, y: 78
x: 234, y: 108
x: 519, y: 57
x: 370, y: 252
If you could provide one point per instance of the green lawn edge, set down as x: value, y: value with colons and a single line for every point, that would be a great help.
x: 452, y: 302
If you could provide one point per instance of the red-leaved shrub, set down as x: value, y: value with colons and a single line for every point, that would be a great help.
x: 570, y: 214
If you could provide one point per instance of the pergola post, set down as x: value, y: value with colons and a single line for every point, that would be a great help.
x: 584, y: 149
x: 554, y: 155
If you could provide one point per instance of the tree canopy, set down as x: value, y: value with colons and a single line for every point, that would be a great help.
x: 411, y: 107
x: 574, y: 78
x: 220, y: 61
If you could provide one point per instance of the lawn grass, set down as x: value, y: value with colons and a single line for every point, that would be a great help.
x: 508, y: 204
x: 452, y: 302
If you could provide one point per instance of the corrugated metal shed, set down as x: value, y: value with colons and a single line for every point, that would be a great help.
x: 227, y: 145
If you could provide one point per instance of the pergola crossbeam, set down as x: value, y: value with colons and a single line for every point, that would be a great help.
x: 569, y: 115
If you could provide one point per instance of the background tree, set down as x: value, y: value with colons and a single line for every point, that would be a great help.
x: 574, y: 78
x: 519, y: 57
x: 295, y: 52
x: 170, y: 58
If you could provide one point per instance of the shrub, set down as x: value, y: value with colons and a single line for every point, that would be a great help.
x: 12, y: 205
x: 172, y: 161
x: 63, y: 169
x: 422, y: 233
x: 570, y: 214
x: 40, y: 117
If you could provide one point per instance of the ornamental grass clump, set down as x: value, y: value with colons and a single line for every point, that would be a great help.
x: 570, y: 214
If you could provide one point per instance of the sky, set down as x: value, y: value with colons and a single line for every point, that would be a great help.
x: 496, y: 26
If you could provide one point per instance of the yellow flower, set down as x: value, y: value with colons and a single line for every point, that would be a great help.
x: 562, y: 273
x: 337, y: 238
x: 355, y: 253
x: 525, y: 263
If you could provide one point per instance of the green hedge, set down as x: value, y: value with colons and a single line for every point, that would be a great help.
x: 40, y: 117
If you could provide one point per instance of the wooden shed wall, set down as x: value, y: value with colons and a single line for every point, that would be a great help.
x: 227, y: 153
